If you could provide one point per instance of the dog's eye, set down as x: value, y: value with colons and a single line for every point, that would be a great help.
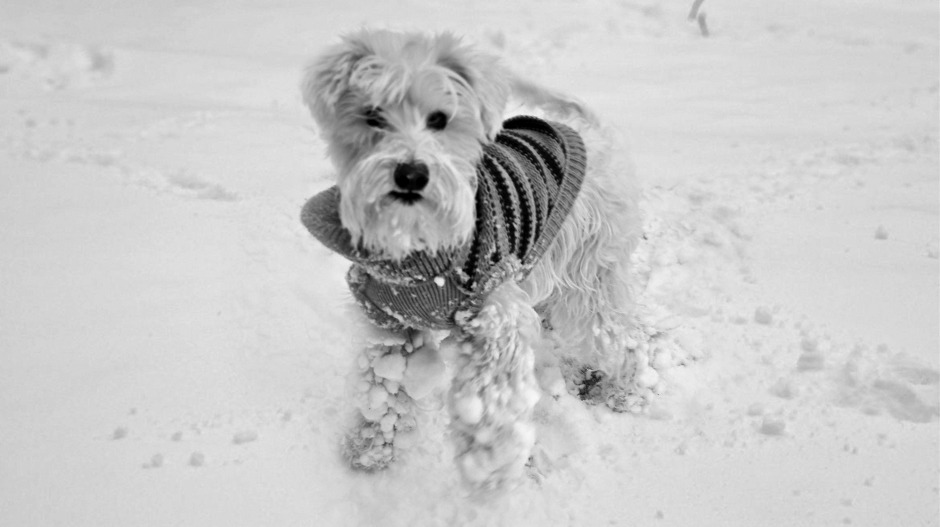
x: 437, y: 120
x: 374, y: 119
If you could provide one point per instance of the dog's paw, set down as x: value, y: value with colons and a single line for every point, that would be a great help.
x: 627, y: 388
x: 492, y: 428
x: 623, y: 401
x: 491, y: 403
x: 493, y: 457
x: 374, y: 444
x: 366, y: 447
x: 588, y: 384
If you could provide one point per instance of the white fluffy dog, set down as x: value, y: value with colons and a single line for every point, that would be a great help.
x: 496, y: 232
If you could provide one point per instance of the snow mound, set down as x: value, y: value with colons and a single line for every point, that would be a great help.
x: 153, y: 260
x: 56, y: 65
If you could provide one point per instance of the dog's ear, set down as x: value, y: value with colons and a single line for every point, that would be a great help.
x: 554, y: 103
x: 484, y: 73
x: 327, y: 77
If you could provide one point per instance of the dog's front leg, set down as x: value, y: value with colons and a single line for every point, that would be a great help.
x: 385, y: 413
x: 494, y: 390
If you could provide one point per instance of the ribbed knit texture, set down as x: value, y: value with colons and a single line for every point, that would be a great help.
x: 528, y: 179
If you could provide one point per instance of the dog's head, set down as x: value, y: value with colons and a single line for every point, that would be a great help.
x: 405, y: 117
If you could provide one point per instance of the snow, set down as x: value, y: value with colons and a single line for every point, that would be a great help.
x: 244, y: 436
x: 174, y: 346
x: 391, y: 366
x: 424, y: 372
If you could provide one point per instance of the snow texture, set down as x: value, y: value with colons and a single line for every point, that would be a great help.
x: 174, y: 347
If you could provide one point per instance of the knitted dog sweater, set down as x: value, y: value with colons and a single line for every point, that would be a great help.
x: 527, y: 182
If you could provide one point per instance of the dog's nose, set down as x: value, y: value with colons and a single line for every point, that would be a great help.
x: 411, y: 176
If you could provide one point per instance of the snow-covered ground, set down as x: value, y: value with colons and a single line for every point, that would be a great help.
x: 173, y: 344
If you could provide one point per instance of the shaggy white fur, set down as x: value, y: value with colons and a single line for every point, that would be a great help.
x: 384, y: 99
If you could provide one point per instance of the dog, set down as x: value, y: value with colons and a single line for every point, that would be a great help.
x: 507, y: 241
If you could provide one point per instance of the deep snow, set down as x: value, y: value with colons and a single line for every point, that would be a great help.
x: 173, y: 345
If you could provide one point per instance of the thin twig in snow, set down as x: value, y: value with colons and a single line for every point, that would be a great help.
x: 703, y: 27
x: 693, y: 14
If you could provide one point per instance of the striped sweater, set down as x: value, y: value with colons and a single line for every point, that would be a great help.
x: 528, y: 180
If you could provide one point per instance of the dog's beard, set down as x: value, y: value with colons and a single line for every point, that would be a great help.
x: 394, y: 224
